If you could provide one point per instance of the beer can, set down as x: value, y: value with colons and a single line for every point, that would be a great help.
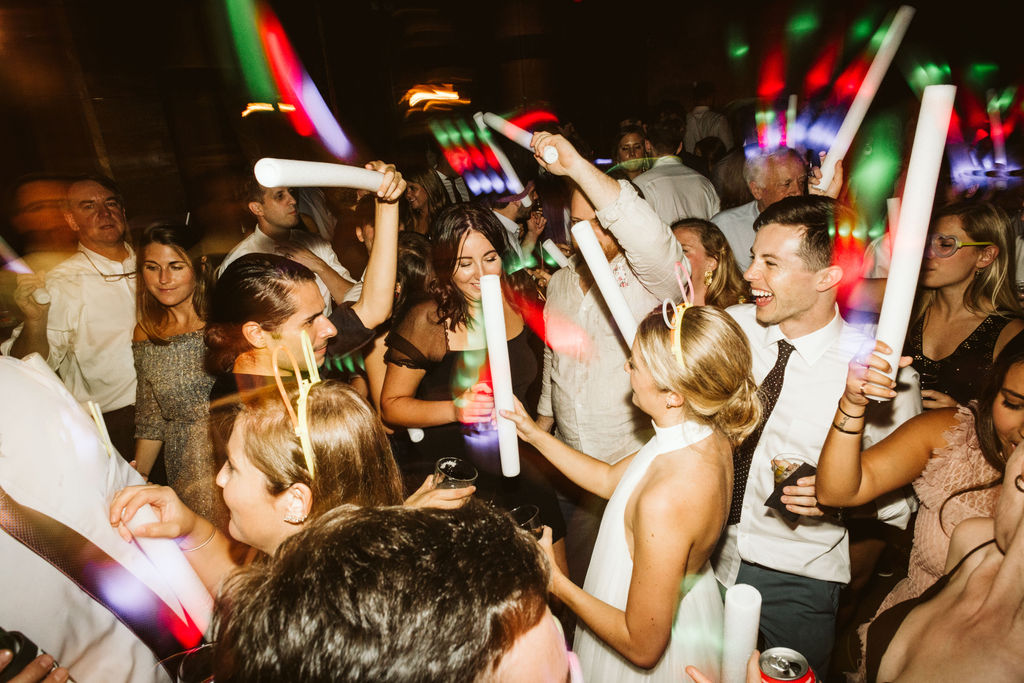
x: 783, y: 665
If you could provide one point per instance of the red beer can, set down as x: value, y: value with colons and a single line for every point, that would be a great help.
x: 783, y: 665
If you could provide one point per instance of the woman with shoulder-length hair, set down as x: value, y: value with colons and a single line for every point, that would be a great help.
x: 967, y: 308
x: 425, y: 198
x: 437, y: 359
x: 650, y: 605
x: 173, y: 387
x: 717, y: 280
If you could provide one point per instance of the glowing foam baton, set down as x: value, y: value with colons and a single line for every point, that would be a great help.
x: 167, y: 558
x: 101, y: 427
x: 16, y: 264
x: 518, y: 135
x: 294, y: 173
x: 739, y: 637
x: 914, y: 214
x: 515, y: 186
x: 501, y: 374
x: 866, y: 93
x: 552, y: 250
x: 995, y: 128
x: 605, y: 280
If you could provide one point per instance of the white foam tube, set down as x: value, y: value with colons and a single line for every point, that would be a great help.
x: 995, y: 129
x: 605, y: 280
x: 167, y: 558
x: 416, y: 434
x: 791, y: 120
x: 493, y: 306
x: 518, y: 135
x: 866, y: 93
x: 515, y: 186
x: 554, y: 252
x: 294, y: 173
x: 742, y: 618
x: 914, y: 217
x: 16, y: 264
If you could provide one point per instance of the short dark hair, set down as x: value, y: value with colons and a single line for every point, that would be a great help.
x: 384, y: 594
x: 102, y: 180
x: 257, y: 288
x: 250, y: 190
x: 666, y: 135
x: 819, y: 217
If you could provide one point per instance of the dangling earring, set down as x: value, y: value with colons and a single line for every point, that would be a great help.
x: 295, y: 519
x: 708, y: 276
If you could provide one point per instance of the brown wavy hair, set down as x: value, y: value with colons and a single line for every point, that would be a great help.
x: 727, y: 284
x: 151, y: 314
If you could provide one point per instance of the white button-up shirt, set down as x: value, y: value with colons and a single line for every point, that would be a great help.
x: 737, y: 224
x: 89, y: 328
x: 677, y: 191
x: 512, y: 228
x: 261, y: 243
x: 815, y: 547
x: 586, y: 388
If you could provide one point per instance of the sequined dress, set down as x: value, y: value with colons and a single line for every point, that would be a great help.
x: 961, y: 373
x: 172, y: 406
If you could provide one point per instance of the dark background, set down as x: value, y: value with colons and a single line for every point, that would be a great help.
x: 150, y: 93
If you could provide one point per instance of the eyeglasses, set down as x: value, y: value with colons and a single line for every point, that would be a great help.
x: 108, y: 277
x: 944, y: 246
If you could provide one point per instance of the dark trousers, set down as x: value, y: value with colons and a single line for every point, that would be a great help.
x: 121, y: 426
x: 796, y: 612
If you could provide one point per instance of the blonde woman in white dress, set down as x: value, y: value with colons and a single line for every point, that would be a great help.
x: 650, y: 605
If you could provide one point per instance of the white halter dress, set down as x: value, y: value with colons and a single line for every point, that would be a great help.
x: 697, y: 629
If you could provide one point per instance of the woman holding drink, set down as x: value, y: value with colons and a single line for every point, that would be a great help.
x: 650, y: 605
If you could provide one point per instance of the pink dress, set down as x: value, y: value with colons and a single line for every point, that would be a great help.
x: 958, y: 465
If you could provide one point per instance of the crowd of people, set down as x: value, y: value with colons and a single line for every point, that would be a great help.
x: 284, y: 419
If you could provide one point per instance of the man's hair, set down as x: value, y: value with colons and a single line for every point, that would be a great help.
x: 818, y: 216
x: 254, y: 287
x: 250, y: 190
x: 666, y: 135
x: 384, y: 594
x: 98, y: 179
x: 756, y: 166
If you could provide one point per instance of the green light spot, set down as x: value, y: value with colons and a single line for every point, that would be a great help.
x: 876, y: 231
x: 861, y: 29
x: 802, y: 23
x: 442, y: 136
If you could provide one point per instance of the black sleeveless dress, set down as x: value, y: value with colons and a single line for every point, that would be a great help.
x: 883, y: 629
x: 962, y: 373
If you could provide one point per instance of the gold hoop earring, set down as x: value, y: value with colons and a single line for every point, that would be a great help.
x: 708, y: 276
x: 1019, y: 483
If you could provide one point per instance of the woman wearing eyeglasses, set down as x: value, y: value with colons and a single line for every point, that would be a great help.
x: 967, y: 308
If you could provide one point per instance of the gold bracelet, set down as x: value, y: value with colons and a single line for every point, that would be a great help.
x: 844, y: 431
x: 212, y: 534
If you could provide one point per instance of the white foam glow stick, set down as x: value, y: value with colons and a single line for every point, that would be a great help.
x: 866, y: 93
x: 791, y: 120
x: 554, y: 252
x: 914, y: 217
x: 101, y: 427
x: 294, y: 173
x: 515, y: 185
x: 742, y: 618
x: 16, y: 264
x: 170, y: 563
x: 501, y: 373
x: 605, y: 280
x: 995, y: 129
x: 518, y: 135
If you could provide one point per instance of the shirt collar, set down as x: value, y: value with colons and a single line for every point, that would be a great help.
x: 94, y: 255
x: 811, y: 346
x: 670, y: 159
x: 509, y: 224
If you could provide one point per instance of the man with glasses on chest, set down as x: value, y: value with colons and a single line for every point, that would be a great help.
x: 81, y: 318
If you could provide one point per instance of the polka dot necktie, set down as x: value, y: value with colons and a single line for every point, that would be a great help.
x: 768, y: 392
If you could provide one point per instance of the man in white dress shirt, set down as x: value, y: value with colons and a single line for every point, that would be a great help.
x: 85, y: 331
x: 770, y: 177
x: 586, y: 393
x: 799, y: 566
x: 278, y: 231
x: 673, y: 189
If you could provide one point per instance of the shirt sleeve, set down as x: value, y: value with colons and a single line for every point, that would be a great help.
x: 352, y: 333
x: 325, y: 251
x: 544, y: 403
x: 649, y: 246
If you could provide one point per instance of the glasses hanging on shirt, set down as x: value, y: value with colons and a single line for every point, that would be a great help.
x: 109, y: 277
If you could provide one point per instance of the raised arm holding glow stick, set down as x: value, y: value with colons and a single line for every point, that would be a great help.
x: 519, y: 136
x: 914, y: 217
x: 866, y: 93
x: 294, y: 173
x: 16, y: 264
x: 492, y: 303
